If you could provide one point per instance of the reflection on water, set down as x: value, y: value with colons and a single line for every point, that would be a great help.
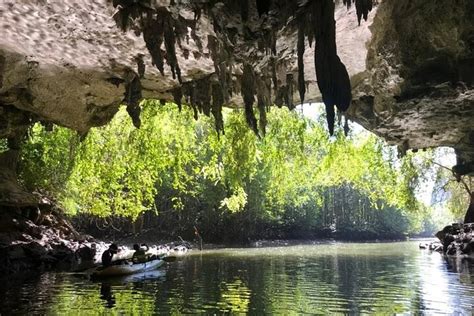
x: 106, y: 294
x: 384, y: 278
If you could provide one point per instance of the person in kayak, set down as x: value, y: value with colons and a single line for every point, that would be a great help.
x: 108, y: 254
x: 140, y: 255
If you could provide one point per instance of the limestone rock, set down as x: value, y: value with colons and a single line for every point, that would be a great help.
x: 418, y: 89
x: 69, y: 63
x: 64, y: 61
x: 457, y: 240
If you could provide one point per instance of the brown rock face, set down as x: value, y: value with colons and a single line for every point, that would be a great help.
x: 69, y: 62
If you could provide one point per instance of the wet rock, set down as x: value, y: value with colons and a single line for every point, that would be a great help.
x: 86, y: 253
x: 34, y: 250
x: 457, y: 239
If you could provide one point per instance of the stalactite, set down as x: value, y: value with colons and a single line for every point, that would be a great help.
x: 140, y: 65
x: 194, y: 101
x: 346, y: 126
x: 301, y: 49
x: 281, y: 97
x: 309, y: 29
x: 289, y: 91
x: 262, y: 121
x: 248, y: 94
x: 273, y: 41
x: 130, y: 11
x: 264, y: 88
x: 314, y: 20
x: 189, y: 89
x: 217, y: 102
x: 363, y: 7
x: 333, y: 79
x: 177, y: 97
x: 121, y: 19
x: 203, y: 95
x: 132, y: 96
x: 194, y: 36
x: 153, y: 36
x: 170, y: 41
x: 220, y: 59
x: 274, y: 76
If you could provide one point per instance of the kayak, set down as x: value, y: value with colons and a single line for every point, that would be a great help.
x: 127, y: 268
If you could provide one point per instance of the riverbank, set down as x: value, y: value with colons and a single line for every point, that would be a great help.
x: 49, y: 242
x: 41, y: 243
x: 52, y: 243
x: 128, y: 233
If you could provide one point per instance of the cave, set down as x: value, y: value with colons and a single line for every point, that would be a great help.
x: 402, y: 69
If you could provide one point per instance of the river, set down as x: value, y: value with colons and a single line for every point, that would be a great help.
x: 319, y: 278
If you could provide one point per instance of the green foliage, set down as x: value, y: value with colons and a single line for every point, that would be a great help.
x: 451, y: 193
x: 3, y: 145
x: 121, y: 169
x: 295, y: 178
x: 48, y: 159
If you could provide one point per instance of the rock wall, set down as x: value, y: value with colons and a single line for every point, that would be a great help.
x: 418, y: 90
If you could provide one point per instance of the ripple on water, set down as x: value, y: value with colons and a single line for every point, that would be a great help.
x: 388, y: 278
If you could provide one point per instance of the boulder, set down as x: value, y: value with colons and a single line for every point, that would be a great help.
x: 457, y: 239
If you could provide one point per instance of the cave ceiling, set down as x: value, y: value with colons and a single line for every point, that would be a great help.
x: 403, y: 70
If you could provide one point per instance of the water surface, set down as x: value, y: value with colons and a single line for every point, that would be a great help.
x: 381, y: 278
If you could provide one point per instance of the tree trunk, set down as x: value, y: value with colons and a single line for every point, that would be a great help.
x: 469, y: 218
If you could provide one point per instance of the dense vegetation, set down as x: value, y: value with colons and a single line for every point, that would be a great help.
x: 175, y: 173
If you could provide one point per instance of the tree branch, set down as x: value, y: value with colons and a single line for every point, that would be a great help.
x: 460, y: 179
